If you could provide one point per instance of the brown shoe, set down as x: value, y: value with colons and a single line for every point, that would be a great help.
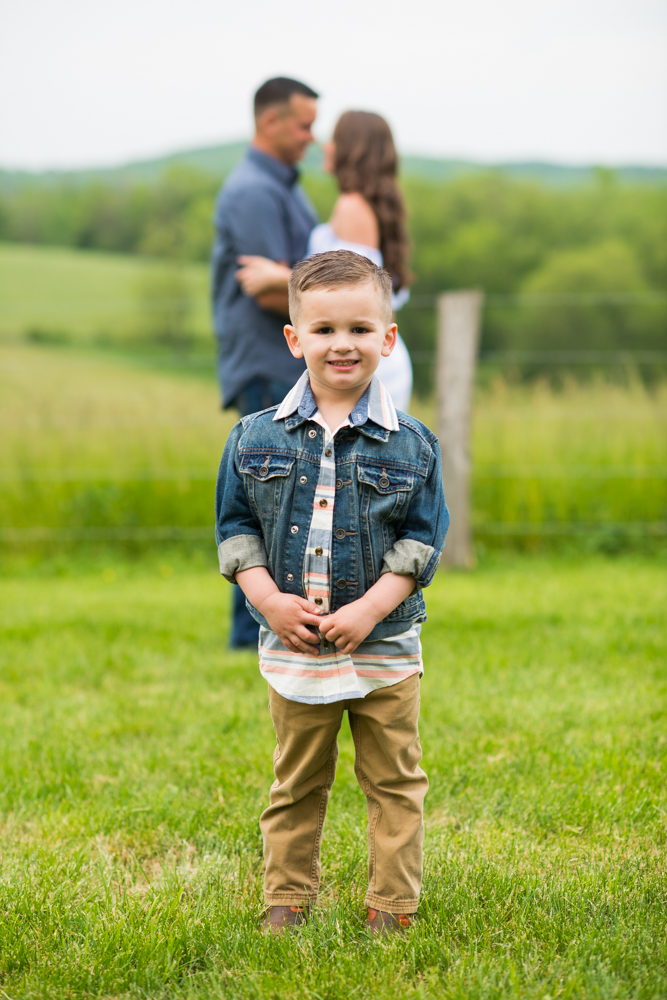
x: 385, y: 924
x: 281, y: 919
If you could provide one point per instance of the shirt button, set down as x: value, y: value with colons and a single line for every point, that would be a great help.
x: 340, y: 533
x: 294, y: 529
x: 317, y: 600
x: 312, y: 433
x: 290, y: 577
x: 264, y: 471
x: 323, y: 502
x: 303, y: 479
x: 319, y: 550
x: 339, y: 484
x: 384, y: 482
x: 341, y: 584
x: 327, y: 452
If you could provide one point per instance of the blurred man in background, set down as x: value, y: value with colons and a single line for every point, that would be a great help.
x: 261, y: 211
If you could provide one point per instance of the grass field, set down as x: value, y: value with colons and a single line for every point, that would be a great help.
x: 83, y: 297
x: 89, y: 440
x: 136, y: 755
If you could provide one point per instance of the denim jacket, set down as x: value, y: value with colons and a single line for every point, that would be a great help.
x: 389, y: 516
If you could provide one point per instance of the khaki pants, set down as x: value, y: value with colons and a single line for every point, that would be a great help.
x: 387, y: 755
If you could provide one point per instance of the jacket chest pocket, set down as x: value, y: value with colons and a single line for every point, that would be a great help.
x: 384, y: 491
x: 265, y: 477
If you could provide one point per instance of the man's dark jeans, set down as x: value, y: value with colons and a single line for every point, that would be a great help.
x: 256, y: 395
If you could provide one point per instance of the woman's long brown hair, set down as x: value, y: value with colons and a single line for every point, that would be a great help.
x: 366, y: 162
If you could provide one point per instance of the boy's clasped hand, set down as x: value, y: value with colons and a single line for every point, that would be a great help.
x: 293, y: 619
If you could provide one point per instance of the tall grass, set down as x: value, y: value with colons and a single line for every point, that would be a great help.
x: 88, y: 442
x: 590, y: 454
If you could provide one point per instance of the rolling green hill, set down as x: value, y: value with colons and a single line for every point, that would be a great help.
x: 218, y: 161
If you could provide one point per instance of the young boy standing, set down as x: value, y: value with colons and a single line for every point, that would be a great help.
x: 331, y: 518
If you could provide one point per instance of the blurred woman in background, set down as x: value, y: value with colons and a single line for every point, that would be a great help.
x: 368, y: 218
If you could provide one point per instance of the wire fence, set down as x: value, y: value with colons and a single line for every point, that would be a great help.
x: 561, y: 358
x: 549, y: 300
x: 143, y: 475
x: 564, y: 358
x: 185, y: 533
x: 199, y: 359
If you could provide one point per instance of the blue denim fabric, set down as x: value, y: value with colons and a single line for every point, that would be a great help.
x: 258, y: 394
x: 390, y: 512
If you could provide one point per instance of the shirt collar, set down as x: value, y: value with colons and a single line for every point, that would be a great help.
x: 282, y: 172
x: 375, y: 405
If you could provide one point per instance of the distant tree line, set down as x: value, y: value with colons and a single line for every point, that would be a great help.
x: 169, y: 219
x: 485, y: 230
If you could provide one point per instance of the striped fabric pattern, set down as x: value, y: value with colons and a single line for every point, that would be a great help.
x: 318, y: 547
x: 335, y: 676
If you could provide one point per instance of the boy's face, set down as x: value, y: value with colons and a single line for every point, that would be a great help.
x: 342, y: 333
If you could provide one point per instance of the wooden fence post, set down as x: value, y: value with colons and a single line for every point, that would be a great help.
x: 459, y: 321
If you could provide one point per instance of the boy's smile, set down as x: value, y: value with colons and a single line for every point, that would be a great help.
x: 341, y: 332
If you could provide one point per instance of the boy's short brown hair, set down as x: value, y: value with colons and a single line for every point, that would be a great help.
x: 333, y: 269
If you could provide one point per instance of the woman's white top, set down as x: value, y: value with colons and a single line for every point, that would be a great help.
x: 395, y: 372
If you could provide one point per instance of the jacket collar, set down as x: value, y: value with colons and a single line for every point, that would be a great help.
x: 374, y: 415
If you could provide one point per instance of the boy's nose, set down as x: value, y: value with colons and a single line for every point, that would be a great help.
x: 342, y: 345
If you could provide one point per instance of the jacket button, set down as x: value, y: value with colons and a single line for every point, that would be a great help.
x: 312, y: 433
x: 303, y: 479
x: 341, y: 584
x: 339, y: 484
x: 319, y: 550
x: 327, y: 452
x: 264, y: 471
x: 294, y: 529
x: 323, y: 502
x: 290, y: 577
x: 317, y: 600
x: 340, y: 533
x: 384, y: 482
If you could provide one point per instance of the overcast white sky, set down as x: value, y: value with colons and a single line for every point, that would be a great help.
x: 87, y: 83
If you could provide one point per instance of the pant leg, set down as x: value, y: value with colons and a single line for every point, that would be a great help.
x: 245, y: 630
x: 258, y: 394
x: 305, y: 766
x: 387, y: 754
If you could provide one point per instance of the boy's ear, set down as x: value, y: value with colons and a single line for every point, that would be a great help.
x: 292, y: 338
x: 389, y: 342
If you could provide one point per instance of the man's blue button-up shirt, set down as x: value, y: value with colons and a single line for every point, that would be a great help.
x: 261, y: 210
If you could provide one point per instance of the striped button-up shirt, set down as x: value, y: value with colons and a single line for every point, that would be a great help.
x: 335, y: 676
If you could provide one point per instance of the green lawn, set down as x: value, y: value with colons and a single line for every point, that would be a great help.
x: 136, y: 756
x: 56, y: 295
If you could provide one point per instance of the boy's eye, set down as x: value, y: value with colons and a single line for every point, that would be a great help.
x: 359, y: 329
x: 324, y: 329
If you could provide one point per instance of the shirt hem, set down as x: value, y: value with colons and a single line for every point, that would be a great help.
x: 346, y: 696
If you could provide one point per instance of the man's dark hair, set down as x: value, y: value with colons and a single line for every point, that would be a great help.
x: 278, y: 91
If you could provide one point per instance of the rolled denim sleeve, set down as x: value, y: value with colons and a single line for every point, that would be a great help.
x: 421, y: 537
x: 237, y: 532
